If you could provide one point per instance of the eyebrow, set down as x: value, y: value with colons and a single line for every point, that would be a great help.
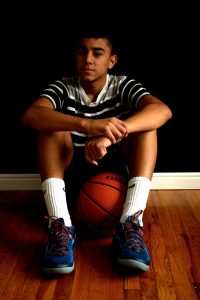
x: 94, y: 49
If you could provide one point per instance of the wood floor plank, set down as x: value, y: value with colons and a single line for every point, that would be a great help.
x: 188, y: 244
x: 187, y: 226
x: 193, y: 198
x: 160, y: 259
x: 132, y: 294
x: 131, y: 282
x: 172, y: 235
x: 83, y: 260
x: 106, y: 282
x: 148, y: 284
x: 181, y: 278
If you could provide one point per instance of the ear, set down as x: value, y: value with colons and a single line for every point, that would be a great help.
x: 113, y: 61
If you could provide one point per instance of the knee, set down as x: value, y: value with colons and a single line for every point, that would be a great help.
x: 137, y: 136
x: 55, y: 152
x: 56, y: 141
x: 140, y: 137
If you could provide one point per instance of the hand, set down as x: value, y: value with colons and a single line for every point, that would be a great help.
x: 112, y: 128
x: 95, y: 149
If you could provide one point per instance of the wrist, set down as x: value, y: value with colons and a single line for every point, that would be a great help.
x: 84, y: 123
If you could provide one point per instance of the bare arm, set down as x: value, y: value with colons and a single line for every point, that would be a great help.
x: 96, y: 149
x: 41, y: 116
x: 152, y: 114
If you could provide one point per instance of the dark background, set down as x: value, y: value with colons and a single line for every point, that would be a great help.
x: 158, y: 46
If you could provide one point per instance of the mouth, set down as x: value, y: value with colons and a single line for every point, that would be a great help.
x: 87, y: 70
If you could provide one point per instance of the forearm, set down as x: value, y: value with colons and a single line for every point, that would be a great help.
x: 45, y: 119
x: 151, y: 117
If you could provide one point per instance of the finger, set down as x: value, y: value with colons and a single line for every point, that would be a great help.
x: 116, y: 130
x: 98, y: 150
x: 110, y: 136
x: 92, y: 161
x: 122, y: 128
x: 89, y: 156
x: 114, y: 135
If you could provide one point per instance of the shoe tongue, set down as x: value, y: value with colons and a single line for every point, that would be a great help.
x: 134, y: 218
x: 59, y: 221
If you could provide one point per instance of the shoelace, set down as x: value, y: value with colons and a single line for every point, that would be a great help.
x: 60, y: 237
x: 134, y: 233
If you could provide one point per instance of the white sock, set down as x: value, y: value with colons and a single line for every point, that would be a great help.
x: 136, y: 197
x: 55, y: 199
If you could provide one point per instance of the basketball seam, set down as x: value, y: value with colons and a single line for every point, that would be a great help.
x: 103, y: 209
x: 103, y: 183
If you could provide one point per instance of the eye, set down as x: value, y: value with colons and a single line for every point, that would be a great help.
x: 97, y: 53
x: 82, y: 52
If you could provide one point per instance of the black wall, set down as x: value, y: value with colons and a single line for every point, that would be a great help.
x: 159, y: 48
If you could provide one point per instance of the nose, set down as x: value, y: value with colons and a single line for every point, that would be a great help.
x: 89, y: 57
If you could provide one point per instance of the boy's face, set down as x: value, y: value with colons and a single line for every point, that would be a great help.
x: 94, y: 59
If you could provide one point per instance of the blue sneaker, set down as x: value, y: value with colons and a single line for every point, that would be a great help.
x: 59, y: 253
x: 129, y: 245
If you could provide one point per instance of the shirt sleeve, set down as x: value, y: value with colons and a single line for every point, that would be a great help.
x: 131, y: 92
x: 56, y: 92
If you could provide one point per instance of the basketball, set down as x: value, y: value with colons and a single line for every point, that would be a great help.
x: 100, y: 202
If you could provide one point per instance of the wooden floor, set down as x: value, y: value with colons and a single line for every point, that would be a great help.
x: 172, y: 235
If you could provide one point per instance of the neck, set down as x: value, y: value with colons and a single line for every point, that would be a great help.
x: 93, y: 88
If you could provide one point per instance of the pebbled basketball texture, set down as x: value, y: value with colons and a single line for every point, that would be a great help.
x: 100, y: 202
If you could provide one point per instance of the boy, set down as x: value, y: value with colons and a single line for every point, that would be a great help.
x: 89, y: 122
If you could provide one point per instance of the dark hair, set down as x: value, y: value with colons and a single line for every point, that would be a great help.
x: 98, y: 33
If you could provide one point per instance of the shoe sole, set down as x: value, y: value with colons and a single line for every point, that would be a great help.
x: 57, y: 271
x: 133, y: 264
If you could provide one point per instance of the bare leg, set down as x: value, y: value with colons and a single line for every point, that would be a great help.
x: 55, y: 152
x: 141, y: 151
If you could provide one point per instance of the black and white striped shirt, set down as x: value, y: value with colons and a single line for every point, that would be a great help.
x: 118, y: 98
